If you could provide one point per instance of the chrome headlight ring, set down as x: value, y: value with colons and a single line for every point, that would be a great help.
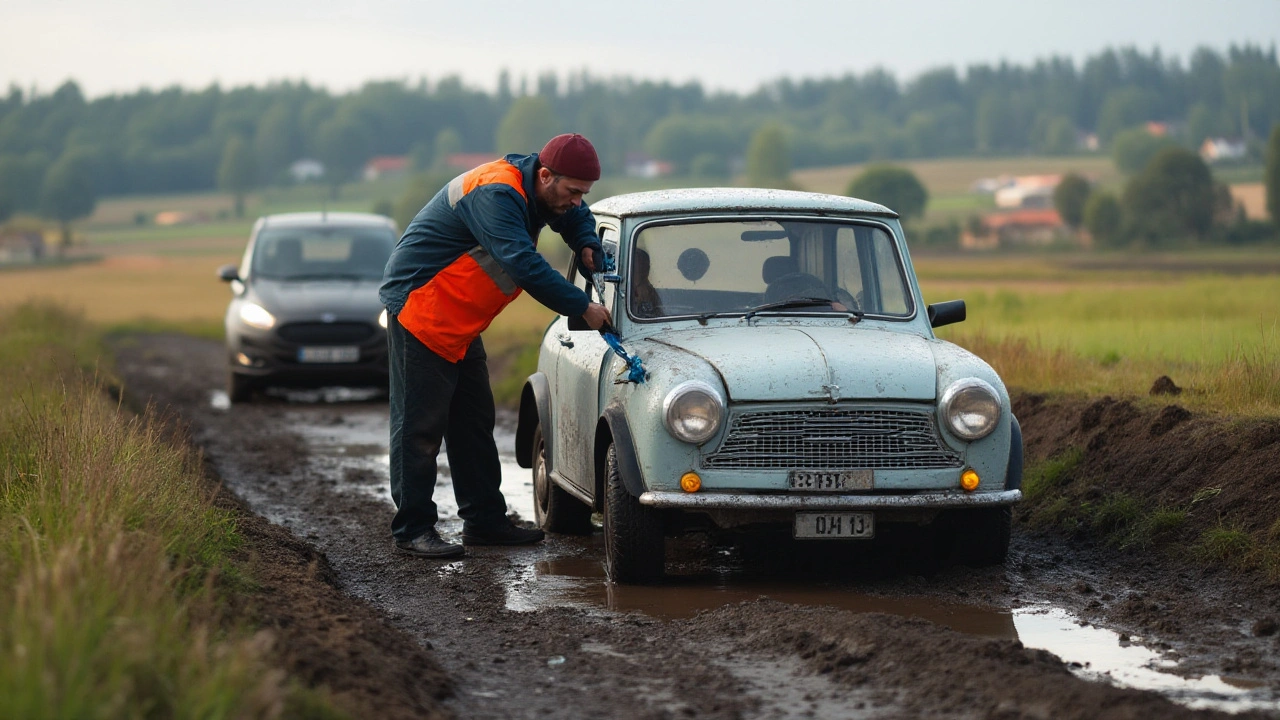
x: 970, y: 409
x: 693, y: 412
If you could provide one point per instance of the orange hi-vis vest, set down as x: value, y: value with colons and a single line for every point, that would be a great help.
x: 455, y: 306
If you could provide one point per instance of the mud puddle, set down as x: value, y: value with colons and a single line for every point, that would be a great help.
x: 347, y: 439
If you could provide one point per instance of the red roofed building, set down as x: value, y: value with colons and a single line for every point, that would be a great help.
x: 467, y: 161
x: 1025, y: 227
x: 386, y: 166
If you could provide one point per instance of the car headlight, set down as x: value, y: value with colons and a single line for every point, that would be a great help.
x: 382, y: 319
x: 693, y: 411
x: 257, y: 316
x: 970, y: 408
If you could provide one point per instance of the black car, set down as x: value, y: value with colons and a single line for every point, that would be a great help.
x: 305, y: 311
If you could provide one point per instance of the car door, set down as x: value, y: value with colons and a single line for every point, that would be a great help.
x: 581, y: 355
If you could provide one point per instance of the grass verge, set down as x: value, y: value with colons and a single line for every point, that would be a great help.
x: 114, y: 563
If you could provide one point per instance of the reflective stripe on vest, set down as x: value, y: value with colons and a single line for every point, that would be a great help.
x: 460, y: 301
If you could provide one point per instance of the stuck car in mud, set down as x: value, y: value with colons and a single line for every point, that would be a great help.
x: 304, y: 309
x: 790, y: 377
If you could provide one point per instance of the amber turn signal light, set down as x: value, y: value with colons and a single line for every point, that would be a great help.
x: 969, y: 480
x: 690, y: 482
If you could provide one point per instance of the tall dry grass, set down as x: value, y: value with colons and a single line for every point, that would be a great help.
x: 111, y: 552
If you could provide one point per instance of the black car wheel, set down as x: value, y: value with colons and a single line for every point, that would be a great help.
x: 555, y: 510
x: 239, y: 388
x: 633, y: 544
x: 982, y: 536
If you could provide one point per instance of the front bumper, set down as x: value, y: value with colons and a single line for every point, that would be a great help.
x: 743, y: 501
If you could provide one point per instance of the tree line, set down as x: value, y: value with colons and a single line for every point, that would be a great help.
x: 58, y: 146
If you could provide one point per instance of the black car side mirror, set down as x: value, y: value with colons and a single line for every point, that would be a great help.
x: 945, y: 313
x: 228, y: 273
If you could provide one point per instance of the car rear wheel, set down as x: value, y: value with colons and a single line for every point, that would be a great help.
x: 982, y: 536
x: 555, y: 510
x: 239, y: 388
x: 633, y: 544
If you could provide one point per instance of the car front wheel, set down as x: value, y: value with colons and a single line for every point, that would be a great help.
x: 633, y: 545
x: 982, y: 536
x: 239, y: 388
x: 555, y: 510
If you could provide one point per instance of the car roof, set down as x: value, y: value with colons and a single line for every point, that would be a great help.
x: 686, y: 200
x: 308, y: 219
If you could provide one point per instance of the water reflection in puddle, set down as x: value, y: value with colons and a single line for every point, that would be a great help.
x: 350, y: 448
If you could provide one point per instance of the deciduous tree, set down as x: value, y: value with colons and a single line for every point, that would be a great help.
x: 768, y: 160
x: 67, y: 193
x: 1273, y: 175
x: 897, y: 188
x: 1103, y: 218
x: 527, y: 126
x: 1172, y: 198
x: 1070, y: 197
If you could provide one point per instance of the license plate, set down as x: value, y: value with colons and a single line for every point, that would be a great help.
x: 835, y: 525
x: 829, y: 481
x: 340, y: 354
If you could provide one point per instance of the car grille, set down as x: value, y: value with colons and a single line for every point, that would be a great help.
x: 326, y: 333
x: 834, y: 439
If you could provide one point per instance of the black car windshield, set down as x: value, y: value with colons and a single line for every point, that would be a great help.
x: 320, y: 253
x: 754, y: 267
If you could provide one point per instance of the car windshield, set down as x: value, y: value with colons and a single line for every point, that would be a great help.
x: 320, y: 253
x: 762, y: 266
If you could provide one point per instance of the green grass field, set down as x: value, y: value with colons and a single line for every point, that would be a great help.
x: 1060, y: 322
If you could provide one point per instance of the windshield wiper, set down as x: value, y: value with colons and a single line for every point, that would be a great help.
x: 795, y: 302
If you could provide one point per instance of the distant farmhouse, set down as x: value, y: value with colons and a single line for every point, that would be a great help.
x: 386, y: 166
x: 1026, y: 216
x: 467, y: 161
x: 1215, y: 150
x: 306, y: 170
x: 21, y: 247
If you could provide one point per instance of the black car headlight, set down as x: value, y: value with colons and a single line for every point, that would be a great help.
x: 970, y: 408
x: 693, y: 412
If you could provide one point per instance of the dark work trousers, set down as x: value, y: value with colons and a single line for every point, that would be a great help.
x: 433, y: 399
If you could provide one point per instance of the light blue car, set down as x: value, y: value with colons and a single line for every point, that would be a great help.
x: 790, y: 377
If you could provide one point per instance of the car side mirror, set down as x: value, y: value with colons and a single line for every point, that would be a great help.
x: 228, y: 273
x: 946, y: 313
x: 577, y: 322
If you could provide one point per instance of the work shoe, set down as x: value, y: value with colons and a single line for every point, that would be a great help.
x: 504, y: 532
x: 430, y: 544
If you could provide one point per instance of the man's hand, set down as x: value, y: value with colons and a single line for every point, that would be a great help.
x: 597, y: 315
x: 589, y: 258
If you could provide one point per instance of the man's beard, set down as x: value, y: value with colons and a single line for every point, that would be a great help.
x: 545, y: 210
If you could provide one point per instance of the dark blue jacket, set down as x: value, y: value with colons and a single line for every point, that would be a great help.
x: 495, y: 217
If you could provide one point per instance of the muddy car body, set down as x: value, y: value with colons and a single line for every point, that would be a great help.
x: 794, y: 380
x: 304, y: 310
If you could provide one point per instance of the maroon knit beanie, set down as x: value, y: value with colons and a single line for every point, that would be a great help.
x: 571, y: 154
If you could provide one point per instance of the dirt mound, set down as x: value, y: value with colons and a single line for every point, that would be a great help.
x: 1204, y: 473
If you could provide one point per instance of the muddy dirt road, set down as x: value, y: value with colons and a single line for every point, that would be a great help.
x: 1060, y: 631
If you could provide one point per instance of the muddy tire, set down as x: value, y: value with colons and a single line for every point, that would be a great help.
x: 982, y: 536
x: 554, y: 509
x: 239, y: 388
x: 633, y: 545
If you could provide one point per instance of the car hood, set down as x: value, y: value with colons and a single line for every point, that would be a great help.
x: 806, y: 363
x: 312, y: 298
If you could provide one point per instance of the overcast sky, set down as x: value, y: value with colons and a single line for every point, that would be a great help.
x: 124, y: 45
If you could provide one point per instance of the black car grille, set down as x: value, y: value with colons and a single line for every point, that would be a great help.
x: 835, y: 439
x: 326, y: 333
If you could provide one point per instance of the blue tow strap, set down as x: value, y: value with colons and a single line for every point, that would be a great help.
x: 635, y: 366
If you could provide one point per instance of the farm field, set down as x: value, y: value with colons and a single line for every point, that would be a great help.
x: 1060, y: 322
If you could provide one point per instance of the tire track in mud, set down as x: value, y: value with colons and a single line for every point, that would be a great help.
x: 577, y: 658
